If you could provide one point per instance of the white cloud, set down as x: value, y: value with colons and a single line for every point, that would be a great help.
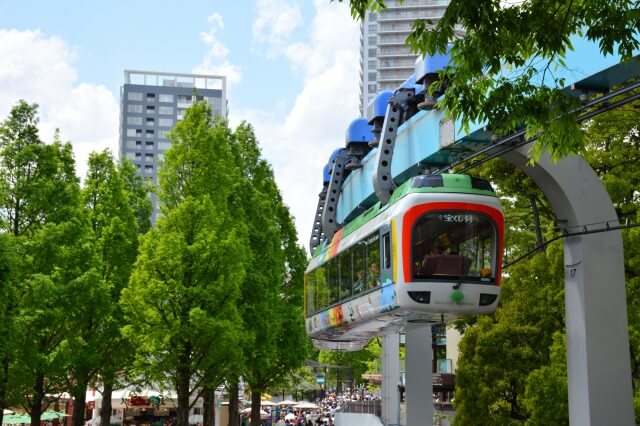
x: 215, y: 61
x: 298, y: 142
x: 39, y: 68
x: 275, y: 21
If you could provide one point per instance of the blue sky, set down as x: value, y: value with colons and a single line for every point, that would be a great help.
x: 292, y: 69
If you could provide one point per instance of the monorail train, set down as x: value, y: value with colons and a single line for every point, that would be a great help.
x: 431, y: 254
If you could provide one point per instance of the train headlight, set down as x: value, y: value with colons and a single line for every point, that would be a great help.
x: 487, y: 299
x: 420, y: 296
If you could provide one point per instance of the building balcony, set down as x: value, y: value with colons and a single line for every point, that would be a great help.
x: 408, y: 17
x: 405, y: 54
x: 405, y: 29
x: 400, y: 76
x: 392, y: 41
x: 386, y: 64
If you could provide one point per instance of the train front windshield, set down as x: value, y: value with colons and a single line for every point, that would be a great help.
x: 454, y: 245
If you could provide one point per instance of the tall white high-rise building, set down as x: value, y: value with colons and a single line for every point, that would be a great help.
x: 385, y: 60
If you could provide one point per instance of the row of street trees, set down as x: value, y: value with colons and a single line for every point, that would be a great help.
x: 92, y: 294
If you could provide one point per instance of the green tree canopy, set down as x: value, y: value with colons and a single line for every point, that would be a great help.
x: 181, y: 303
x: 41, y: 211
x: 275, y: 340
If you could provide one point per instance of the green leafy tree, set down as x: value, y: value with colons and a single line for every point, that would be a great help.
x: 181, y: 302
x: 41, y: 211
x: 98, y: 346
x: 533, y: 35
x: 8, y: 294
x: 275, y: 342
x: 117, y: 188
x: 546, y: 388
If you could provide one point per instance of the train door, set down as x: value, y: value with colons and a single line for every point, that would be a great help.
x: 386, y: 255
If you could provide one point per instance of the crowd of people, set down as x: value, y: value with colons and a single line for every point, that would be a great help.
x: 330, y: 403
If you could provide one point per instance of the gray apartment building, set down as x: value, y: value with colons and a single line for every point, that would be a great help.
x: 385, y: 61
x: 151, y: 103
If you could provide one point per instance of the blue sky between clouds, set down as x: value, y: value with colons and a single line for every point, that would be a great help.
x: 292, y: 68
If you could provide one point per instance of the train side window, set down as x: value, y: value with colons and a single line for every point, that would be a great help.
x: 386, y: 251
x: 333, y: 280
x: 373, y: 261
x: 310, y: 295
x: 321, y: 288
x: 359, y: 252
x: 345, y: 274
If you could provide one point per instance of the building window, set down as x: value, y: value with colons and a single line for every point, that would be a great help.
x: 134, y: 108
x: 134, y: 96
x: 148, y: 157
x: 148, y: 144
x: 151, y: 121
x: 165, y: 98
x: 165, y: 122
x: 130, y: 155
x: 163, y: 146
x: 184, y: 99
x: 134, y: 121
x: 134, y: 144
x: 372, y: 51
x: 151, y: 109
x: 164, y: 134
x: 150, y: 133
x: 148, y: 168
x: 134, y: 132
x: 371, y: 88
x: 138, y: 156
x: 165, y: 110
x: 151, y: 97
x: 371, y: 75
x: 181, y: 113
x: 373, y: 41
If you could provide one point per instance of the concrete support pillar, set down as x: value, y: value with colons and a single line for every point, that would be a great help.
x: 419, y: 378
x: 598, y: 359
x: 390, y: 379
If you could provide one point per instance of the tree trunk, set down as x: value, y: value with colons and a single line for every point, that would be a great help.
x: 79, y: 400
x: 105, y: 411
x: 209, y: 407
x: 234, y: 419
x: 255, y: 408
x: 4, y: 385
x: 182, y: 389
x: 36, y: 400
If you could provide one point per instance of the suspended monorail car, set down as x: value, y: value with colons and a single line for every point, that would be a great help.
x: 431, y: 254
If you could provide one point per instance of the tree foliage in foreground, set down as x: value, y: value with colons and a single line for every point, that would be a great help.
x: 41, y: 211
x: 98, y: 348
x: 182, y: 298
x: 533, y: 36
x: 275, y: 342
